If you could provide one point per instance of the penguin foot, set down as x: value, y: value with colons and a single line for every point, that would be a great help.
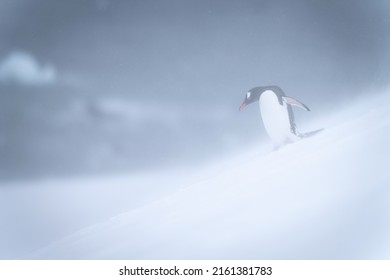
x: 310, y: 133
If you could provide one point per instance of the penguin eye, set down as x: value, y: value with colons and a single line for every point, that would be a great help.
x: 248, y: 95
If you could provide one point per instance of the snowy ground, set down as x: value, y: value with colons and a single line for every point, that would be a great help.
x: 325, y: 197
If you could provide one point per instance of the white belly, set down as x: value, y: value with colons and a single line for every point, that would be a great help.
x: 275, y: 119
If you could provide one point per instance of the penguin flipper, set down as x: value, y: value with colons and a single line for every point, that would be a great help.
x: 294, y: 102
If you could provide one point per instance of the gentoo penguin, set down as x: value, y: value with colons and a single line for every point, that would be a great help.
x: 277, y: 114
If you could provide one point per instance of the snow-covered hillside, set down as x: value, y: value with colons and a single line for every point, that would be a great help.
x: 325, y: 197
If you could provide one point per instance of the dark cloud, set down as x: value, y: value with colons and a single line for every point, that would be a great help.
x: 188, y: 56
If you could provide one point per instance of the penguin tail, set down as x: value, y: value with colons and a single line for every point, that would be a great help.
x: 310, y: 133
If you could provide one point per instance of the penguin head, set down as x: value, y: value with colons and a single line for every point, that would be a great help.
x: 251, y: 96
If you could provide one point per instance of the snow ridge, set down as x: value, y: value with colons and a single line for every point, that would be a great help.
x: 324, y: 197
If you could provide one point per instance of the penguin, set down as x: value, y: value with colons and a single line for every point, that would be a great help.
x: 277, y: 114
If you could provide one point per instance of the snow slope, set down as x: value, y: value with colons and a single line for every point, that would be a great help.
x: 325, y: 197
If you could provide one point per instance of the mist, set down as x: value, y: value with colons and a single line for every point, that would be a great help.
x: 122, y: 86
x: 109, y: 107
